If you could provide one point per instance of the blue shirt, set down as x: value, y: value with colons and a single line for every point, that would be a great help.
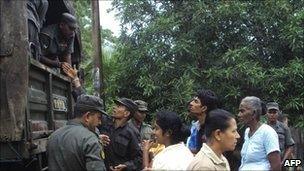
x: 192, y: 142
x: 256, y: 148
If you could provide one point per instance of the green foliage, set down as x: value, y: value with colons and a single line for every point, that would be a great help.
x: 84, y: 12
x: 169, y: 49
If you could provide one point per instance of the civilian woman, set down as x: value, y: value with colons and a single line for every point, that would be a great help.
x: 170, y: 131
x: 260, y: 150
x: 221, y: 133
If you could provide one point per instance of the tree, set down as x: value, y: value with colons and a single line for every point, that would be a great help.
x: 84, y: 12
x: 169, y: 49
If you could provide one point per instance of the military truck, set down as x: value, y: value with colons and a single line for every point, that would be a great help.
x: 35, y: 100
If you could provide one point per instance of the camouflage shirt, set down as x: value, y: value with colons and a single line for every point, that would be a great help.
x: 145, y: 130
x: 285, y: 139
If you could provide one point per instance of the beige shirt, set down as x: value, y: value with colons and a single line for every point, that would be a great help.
x: 206, y: 159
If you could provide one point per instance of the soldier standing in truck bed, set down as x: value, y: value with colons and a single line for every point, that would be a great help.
x: 36, y: 10
x: 57, y: 42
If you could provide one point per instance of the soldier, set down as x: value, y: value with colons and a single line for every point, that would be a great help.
x: 57, y: 42
x: 123, y: 151
x: 137, y: 121
x: 36, y: 10
x: 285, y: 140
x: 76, y: 146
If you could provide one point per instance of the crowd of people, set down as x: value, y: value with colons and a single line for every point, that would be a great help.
x: 95, y: 140
x: 126, y: 142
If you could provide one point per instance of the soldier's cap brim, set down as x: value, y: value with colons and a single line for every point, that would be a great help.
x: 118, y: 101
x: 128, y: 103
x: 272, y: 107
x: 72, y: 25
x: 84, y: 107
x: 143, y: 110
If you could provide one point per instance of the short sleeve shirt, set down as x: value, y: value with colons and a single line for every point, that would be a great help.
x: 257, y: 147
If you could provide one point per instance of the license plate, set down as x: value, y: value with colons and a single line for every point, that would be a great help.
x: 59, y: 104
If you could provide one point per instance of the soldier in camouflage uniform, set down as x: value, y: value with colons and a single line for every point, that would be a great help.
x: 137, y: 121
x: 57, y: 42
x: 285, y: 140
x: 76, y: 146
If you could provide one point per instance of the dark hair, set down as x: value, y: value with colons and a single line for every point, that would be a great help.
x: 170, y: 121
x: 217, y: 119
x: 208, y: 98
x: 264, y: 108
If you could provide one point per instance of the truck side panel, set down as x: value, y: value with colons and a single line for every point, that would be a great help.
x: 13, y: 69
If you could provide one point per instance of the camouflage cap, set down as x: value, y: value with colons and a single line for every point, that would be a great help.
x: 128, y: 103
x: 272, y: 105
x: 142, y: 105
x: 69, y: 19
x: 88, y: 103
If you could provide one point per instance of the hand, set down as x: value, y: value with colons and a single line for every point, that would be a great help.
x: 104, y: 139
x: 68, y: 70
x: 119, y: 167
x: 146, y: 145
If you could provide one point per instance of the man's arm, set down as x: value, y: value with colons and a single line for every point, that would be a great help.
x: 67, y: 58
x: 146, y: 145
x: 50, y: 62
x: 72, y: 73
x: 289, y: 143
x: 93, y: 154
x: 45, y: 42
x: 287, y: 153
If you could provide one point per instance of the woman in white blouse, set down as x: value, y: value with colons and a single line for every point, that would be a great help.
x: 261, y: 150
x: 170, y: 131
